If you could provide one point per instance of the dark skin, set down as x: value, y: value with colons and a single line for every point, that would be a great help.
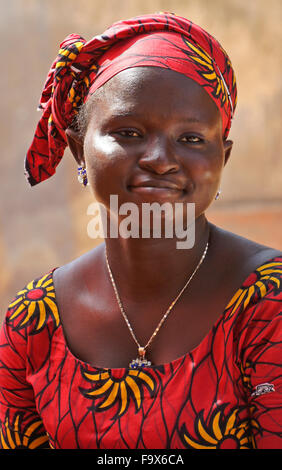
x: 159, y: 125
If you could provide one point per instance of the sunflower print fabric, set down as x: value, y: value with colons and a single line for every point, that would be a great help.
x: 38, y: 300
x: 15, y: 436
x: 222, y: 431
x: 224, y: 394
x: 122, y: 387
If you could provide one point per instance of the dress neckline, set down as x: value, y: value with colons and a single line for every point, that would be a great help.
x: 172, y: 365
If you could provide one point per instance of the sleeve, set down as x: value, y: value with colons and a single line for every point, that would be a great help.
x: 20, y: 425
x: 261, y: 360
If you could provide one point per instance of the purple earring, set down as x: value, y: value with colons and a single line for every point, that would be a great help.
x: 217, y: 194
x: 82, y: 175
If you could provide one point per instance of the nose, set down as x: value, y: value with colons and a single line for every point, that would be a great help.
x: 159, y: 157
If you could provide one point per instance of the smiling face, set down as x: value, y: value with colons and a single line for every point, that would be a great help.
x: 154, y: 135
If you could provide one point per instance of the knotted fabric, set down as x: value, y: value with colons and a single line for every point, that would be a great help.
x: 81, y: 67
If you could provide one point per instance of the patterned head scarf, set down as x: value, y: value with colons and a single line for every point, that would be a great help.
x: 161, y: 40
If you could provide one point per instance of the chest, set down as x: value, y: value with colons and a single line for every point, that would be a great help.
x: 99, y: 333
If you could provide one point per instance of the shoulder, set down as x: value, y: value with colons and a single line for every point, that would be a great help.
x: 261, y: 291
x: 242, y: 245
x: 254, y: 312
x: 72, y: 281
x: 78, y: 286
x: 37, y: 303
x: 258, y: 266
x: 239, y: 254
x: 246, y: 271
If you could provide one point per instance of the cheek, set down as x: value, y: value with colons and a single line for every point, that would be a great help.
x: 105, y: 164
x: 210, y: 177
x: 214, y: 162
x: 208, y: 169
x: 207, y: 175
x: 99, y: 151
x: 100, y: 156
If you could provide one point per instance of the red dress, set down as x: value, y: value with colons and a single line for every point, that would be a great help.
x: 224, y: 394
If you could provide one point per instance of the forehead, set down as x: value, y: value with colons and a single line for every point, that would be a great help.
x: 153, y: 90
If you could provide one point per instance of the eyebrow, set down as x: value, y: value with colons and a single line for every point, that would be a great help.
x: 128, y: 114
x: 192, y: 119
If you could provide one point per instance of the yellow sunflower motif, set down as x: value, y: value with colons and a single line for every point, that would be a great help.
x: 36, y: 300
x: 223, y: 432
x: 118, y: 386
x: 208, y: 70
x: 269, y: 273
x: 12, y: 437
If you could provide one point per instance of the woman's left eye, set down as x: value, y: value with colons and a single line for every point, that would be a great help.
x: 191, y: 139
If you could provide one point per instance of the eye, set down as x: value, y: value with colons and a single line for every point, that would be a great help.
x: 128, y: 133
x: 192, y: 139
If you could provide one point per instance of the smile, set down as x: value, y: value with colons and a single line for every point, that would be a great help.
x: 156, y: 187
x: 146, y: 189
x: 157, y: 193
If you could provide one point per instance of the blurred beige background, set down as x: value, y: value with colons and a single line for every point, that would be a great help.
x: 46, y: 226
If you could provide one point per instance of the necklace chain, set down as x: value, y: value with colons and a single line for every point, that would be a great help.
x: 142, y: 349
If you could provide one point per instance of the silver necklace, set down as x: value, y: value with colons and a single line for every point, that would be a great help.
x: 141, y: 361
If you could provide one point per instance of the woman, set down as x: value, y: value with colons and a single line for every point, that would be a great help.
x: 138, y: 344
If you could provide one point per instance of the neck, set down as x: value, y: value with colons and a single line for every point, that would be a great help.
x: 141, y: 267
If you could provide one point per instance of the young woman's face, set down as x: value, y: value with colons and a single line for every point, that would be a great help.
x: 154, y: 135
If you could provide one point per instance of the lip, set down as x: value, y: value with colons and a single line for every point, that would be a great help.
x: 155, y: 185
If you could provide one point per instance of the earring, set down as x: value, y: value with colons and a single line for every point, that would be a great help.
x: 82, y: 175
x: 217, y: 194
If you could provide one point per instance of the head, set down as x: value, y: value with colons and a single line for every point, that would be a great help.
x: 148, y: 124
x: 158, y: 103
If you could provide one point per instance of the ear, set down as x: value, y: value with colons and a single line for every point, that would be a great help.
x: 75, y: 143
x: 227, y: 144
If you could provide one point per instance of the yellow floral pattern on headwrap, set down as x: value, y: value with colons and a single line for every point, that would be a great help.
x: 209, y: 71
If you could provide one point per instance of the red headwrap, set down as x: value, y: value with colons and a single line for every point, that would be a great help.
x: 160, y: 40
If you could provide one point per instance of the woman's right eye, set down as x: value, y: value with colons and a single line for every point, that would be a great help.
x: 128, y: 133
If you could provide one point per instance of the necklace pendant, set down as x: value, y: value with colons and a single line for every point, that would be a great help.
x: 140, y: 361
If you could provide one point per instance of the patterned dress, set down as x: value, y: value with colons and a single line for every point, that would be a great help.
x: 224, y: 394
